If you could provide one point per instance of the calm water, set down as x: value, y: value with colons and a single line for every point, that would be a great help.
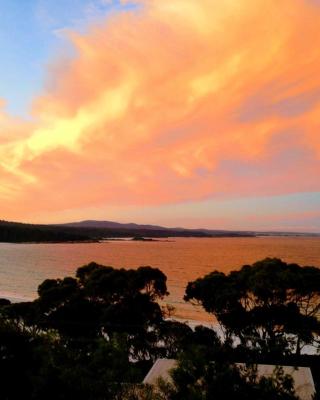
x: 24, y: 266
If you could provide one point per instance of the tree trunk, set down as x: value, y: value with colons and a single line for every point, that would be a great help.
x: 298, y: 349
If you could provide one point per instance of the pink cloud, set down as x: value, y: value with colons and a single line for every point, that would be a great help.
x: 176, y: 102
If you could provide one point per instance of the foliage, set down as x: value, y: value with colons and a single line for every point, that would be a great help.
x: 14, y: 232
x: 94, y: 336
x: 100, y: 302
x: 270, y: 305
x: 35, y: 366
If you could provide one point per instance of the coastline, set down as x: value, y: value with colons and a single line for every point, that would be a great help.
x: 57, y: 242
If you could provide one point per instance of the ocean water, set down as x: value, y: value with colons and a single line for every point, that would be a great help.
x: 24, y: 266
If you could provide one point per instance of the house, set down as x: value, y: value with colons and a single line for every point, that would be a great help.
x: 302, y: 376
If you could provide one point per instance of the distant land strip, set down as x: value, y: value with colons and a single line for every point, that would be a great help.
x: 96, y: 231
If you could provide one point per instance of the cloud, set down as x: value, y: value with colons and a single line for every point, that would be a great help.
x: 176, y: 101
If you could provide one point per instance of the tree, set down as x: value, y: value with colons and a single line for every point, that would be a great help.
x: 270, y: 305
x: 100, y: 301
x: 78, y: 338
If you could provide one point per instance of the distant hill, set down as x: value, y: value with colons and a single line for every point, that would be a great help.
x: 111, y: 225
x: 91, y: 231
x: 151, y: 230
x: 16, y: 232
x: 84, y: 231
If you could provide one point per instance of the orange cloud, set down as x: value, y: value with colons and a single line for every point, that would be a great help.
x: 180, y: 100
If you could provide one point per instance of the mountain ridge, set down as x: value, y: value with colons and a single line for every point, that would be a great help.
x: 134, y: 226
x: 91, y: 223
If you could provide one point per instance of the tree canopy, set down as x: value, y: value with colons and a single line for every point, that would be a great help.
x: 94, y: 336
x: 271, y: 305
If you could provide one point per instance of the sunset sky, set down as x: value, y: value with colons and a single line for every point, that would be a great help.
x: 195, y: 113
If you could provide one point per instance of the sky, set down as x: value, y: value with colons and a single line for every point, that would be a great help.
x: 195, y: 113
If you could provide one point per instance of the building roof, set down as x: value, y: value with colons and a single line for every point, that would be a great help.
x: 302, y: 376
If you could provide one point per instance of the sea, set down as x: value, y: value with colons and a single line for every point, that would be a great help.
x: 24, y: 266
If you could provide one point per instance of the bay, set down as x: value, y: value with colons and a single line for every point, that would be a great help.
x: 24, y: 266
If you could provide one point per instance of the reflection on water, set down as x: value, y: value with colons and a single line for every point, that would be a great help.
x: 24, y: 266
